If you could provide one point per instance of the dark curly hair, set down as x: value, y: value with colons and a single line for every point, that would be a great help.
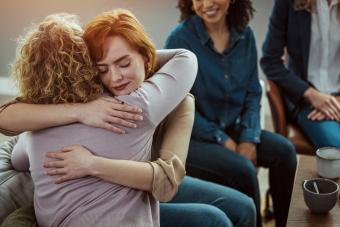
x: 240, y: 12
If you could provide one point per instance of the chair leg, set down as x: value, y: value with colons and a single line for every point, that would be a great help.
x: 268, y: 210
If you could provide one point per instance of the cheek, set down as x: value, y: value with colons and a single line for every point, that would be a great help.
x: 137, y: 73
x: 105, y: 80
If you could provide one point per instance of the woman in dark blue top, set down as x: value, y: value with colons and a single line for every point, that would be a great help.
x: 310, y: 83
x: 227, y: 142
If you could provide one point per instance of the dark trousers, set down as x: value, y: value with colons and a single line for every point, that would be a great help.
x: 215, y: 163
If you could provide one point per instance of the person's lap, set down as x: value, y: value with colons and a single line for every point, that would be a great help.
x: 197, y: 194
x: 192, y: 214
x: 215, y: 163
x: 320, y: 133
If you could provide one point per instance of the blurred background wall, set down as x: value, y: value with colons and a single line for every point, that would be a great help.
x: 158, y: 17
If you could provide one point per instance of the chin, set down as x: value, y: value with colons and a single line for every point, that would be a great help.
x: 212, y: 20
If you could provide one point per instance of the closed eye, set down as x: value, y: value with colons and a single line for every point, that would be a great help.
x: 124, y: 63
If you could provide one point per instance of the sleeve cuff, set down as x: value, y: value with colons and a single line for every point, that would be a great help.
x: 167, y: 176
x: 220, y: 137
x: 249, y: 135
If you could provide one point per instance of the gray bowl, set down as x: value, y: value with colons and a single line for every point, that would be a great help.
x: 323, y: 201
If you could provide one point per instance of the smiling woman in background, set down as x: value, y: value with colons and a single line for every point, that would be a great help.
x: 227, y: 143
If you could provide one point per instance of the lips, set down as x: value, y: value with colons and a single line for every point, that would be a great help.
x: 211, y: 12
x: 120, y: 87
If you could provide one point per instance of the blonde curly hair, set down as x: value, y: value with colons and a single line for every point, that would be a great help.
x: 53, y: 65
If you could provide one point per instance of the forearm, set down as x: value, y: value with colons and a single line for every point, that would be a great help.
x: 21, y: 117
x: 170, y: 146
x: 133, y: 174
x: 177, y: 130
x: 250, y: 119
x: 309, y: 93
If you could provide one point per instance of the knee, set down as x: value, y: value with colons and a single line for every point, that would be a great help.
x: 246, y: 211
x: 287, y: 154
x: 328, y: 140
x: 247, y: 173
x: 214, y: 217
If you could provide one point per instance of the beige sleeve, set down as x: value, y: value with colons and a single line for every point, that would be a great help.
x: 2, y: 108
x: 170, y: 149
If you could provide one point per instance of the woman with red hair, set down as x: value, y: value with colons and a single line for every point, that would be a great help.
x: 59, y: 61
x: 124, y: 57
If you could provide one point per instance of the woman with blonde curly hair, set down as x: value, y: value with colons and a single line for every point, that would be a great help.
x: 171, y: 140
x: 54, y: 66
x: 57, y: 54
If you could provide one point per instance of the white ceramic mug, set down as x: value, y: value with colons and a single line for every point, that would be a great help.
x: 328, y: 162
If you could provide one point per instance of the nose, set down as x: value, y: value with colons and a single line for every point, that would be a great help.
x: 115, y: 75
x: 207, y: 3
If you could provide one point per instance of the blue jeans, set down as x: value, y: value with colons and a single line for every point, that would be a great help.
x: 202, y: 203
x: 215, y: 163
x: 320, y: 133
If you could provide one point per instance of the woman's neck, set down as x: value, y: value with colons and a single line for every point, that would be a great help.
x: 218, y: 28
x: 219, y: 33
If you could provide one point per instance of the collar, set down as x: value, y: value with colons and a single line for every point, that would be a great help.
x: 205, y: 37
x: 201, y: 30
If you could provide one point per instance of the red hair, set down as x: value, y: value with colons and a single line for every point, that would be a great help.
x: 123, y: 23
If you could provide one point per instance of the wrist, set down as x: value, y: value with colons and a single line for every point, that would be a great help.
x: 93, y: 166
x: 309, y: 93
x: 75, y: 113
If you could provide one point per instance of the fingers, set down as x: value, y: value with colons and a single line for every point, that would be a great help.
x: 57, y: 171
x: 119, y: 121
x: 319, y: 116
x: 335, y: 105
x: 126, y: 108
x: 55, y: 155
x: 62, y: 179
x: 126, y: 115
x: 120, y: 105
x: 54, y: 164
x: 316, y: 115
x: 312, y: 114
x: 330, y: 113
x: 112, y: 128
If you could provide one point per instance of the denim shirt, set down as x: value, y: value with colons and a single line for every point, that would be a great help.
x: 227, y: 89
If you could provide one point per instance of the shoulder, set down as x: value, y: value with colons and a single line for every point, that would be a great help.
x: 284, y: 5
x: 248, y: 35
x: 181, y: 28
x: 182, y: 32
x: 248, y: 31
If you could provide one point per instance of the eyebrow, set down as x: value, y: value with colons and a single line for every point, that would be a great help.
x: 118, y: 60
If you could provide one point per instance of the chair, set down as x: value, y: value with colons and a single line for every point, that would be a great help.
x: 282, y: 125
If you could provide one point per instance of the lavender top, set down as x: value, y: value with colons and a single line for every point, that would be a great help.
x: 91, y: 201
